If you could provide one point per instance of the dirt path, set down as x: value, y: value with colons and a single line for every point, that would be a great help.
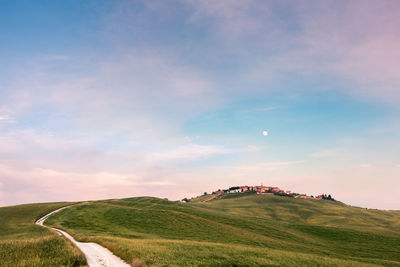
x: 96, y: 255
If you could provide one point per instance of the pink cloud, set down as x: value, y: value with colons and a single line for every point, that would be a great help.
x: 54, y: 185
x: 191, y: 151
x: 355, y: 43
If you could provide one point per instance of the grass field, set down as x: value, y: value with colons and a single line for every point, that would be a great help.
x: 22, y: 243
x: 253, y: 230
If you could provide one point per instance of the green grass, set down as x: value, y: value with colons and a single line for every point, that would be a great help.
x: 251, y: 230
x: 22, y: 243
x: 155, y: 252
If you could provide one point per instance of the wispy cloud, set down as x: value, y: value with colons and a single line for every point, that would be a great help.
x: 6, y: 119
x: 191, y: 151
x: 196, y: 151
x: 365, y: 56
x: 260, y: 168
x: 54, y: 184
x: 324, y: 40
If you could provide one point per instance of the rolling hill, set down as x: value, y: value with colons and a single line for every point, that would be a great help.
x: 240, y: 231
x: 243, y: 230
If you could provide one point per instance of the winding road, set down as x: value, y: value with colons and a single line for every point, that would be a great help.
x: 96, y: 255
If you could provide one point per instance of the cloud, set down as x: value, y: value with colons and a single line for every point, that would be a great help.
x: 191, y: 151
x: 139, y: 89
x: 40, y: 166
x: 260, y: 168
x: 364, y: 51
x: 6, y: 119
x: 317, y: 41
x: 196, y: 151
x: 361, y: 53
x: 50, y: 185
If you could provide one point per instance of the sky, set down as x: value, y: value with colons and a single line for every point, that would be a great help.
x: 170, y: 98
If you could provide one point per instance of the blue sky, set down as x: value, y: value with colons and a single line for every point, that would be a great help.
x: 103, y: 99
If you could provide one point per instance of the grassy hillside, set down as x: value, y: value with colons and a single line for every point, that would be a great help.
x: 252, y: 230
x: 307, y: 211
x: 203, y: 198
x: 22, y: 243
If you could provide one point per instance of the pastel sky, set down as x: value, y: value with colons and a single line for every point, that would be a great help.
x: 170, y: 98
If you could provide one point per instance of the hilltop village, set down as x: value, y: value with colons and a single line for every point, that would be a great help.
x: 261, y: 190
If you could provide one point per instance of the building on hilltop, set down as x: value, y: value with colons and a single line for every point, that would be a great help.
x: 244, y: 188
x: 261, y: 189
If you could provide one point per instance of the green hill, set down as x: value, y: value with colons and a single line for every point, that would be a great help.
x: 252, y: 230
x: 22, y: 243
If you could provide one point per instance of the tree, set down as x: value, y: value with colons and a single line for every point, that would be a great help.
x: 205, y: 193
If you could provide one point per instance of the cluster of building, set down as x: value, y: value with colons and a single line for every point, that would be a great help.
x: 269, y: 190
x: 258, y: 189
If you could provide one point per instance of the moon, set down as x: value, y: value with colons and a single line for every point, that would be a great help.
x: 265, y: 133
